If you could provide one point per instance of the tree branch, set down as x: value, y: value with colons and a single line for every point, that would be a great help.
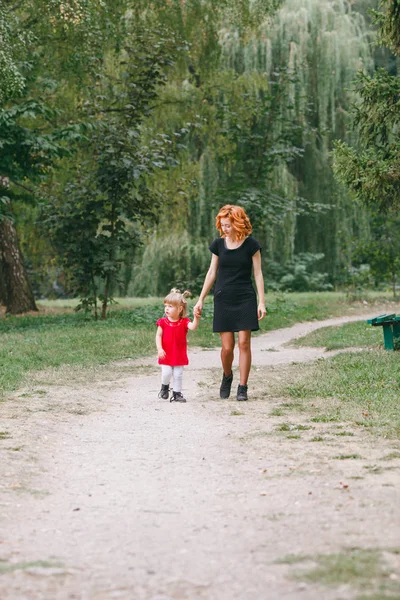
x: 24, y: 187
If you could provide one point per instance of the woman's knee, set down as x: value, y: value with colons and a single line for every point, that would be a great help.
x: 244, y: 344
x: 227, y: 350
x: 227, y: 343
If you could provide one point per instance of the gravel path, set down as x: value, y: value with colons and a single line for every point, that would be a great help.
x: 109, y: 492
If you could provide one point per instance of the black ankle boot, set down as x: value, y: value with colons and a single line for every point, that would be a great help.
x: 177, y: 397
x: 226, y: 384
x: 241, y: 392
x: 164, y: 392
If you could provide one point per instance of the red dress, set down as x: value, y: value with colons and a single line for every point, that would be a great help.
x: 174, y: 342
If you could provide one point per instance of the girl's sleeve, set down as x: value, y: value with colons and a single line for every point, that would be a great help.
x: 214, y: 246
x: 187, y: 321
x: 160, y: 323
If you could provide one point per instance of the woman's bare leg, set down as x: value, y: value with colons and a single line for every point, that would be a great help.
x: 228, y: 344
x: 244, y: 343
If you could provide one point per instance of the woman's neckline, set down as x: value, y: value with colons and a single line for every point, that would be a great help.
x: 232, y: 249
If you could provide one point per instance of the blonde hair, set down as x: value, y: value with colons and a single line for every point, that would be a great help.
x: 176, y: 298
x: 239, y: 219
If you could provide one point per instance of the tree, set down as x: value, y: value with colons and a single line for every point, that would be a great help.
x: 28, y: 153
x: 43, y: 44
x: 88, y: 219
x: 382, y: 252
x: 371, y: 170
x: 271, y: 99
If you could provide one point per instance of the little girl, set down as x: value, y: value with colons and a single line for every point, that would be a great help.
x: 171, y: 343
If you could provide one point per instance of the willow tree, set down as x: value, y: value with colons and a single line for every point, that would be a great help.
x: 271, y: 97
x: 323, y: 43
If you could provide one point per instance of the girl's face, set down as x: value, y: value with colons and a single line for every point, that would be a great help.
x: 173, y: 312
x: 227, y: 229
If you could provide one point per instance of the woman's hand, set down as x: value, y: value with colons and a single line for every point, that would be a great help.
x: 161, y: 353
x: 261, y: 311
x: 198, y: 309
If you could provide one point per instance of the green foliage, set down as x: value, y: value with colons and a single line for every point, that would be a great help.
x: 371, y: 170
x: 270, y: 100
x: 29, y: 141
x: 389, y: 21
x: 110, y: 187
x: 382, y: 253
x: 173, y: 260
x: 247, y: 100
x: 12, y: 81
x: 299, y: 275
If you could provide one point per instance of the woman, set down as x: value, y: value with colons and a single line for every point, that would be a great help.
x: 234, y: 255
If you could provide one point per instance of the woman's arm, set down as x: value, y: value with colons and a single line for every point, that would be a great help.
x: 208, y: 282
x: 160, y: 350
x: 259, y: 279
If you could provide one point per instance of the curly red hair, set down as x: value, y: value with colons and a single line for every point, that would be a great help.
x: 239, y: 219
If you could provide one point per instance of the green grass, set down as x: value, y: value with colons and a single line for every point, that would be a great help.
x: 358, y: 334
x: 361, y: 388
x: 347, y: 457
x: 57, y: 336
x: 291, y: 427
x: 12, y: 567
x: 363, y: 569
x: 356, y: 567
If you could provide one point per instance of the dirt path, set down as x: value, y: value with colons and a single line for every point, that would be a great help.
x: 108, y: 492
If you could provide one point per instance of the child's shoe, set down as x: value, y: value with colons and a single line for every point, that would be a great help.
x: 241, y: 392
x: 164, y: 392
x: 226, y: 384
x: 177, y: 397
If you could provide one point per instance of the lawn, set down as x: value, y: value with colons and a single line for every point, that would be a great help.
x: 361, y: 387
x: 58, y: 336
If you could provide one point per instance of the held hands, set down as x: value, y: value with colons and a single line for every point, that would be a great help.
x: 161, y: 353
x: 197, y: 309
x: 261, y: 311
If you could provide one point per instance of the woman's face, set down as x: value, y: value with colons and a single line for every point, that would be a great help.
x: 227, y: 229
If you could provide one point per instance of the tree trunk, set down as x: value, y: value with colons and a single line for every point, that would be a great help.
x: 16, y: 287
x: 3, y: 288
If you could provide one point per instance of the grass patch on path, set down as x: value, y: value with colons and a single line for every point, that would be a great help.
x: 362, y: 569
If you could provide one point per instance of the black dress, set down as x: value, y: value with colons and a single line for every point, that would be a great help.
x: 235, y: 301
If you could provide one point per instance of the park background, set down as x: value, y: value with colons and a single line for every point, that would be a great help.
x: 125, y: 126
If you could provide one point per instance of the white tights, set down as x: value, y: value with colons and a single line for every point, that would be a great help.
x: 176, y: 372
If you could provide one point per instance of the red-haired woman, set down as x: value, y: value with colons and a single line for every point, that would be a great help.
x: 234, y: 255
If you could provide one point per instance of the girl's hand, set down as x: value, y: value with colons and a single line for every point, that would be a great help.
x: 198, y: 308
x: 161, y: 353
x: 262, y: 311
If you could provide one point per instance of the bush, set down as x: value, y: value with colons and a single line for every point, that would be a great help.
x: 300, y: 275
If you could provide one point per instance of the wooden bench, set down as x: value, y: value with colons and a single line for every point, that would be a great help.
x: 391, y: 330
